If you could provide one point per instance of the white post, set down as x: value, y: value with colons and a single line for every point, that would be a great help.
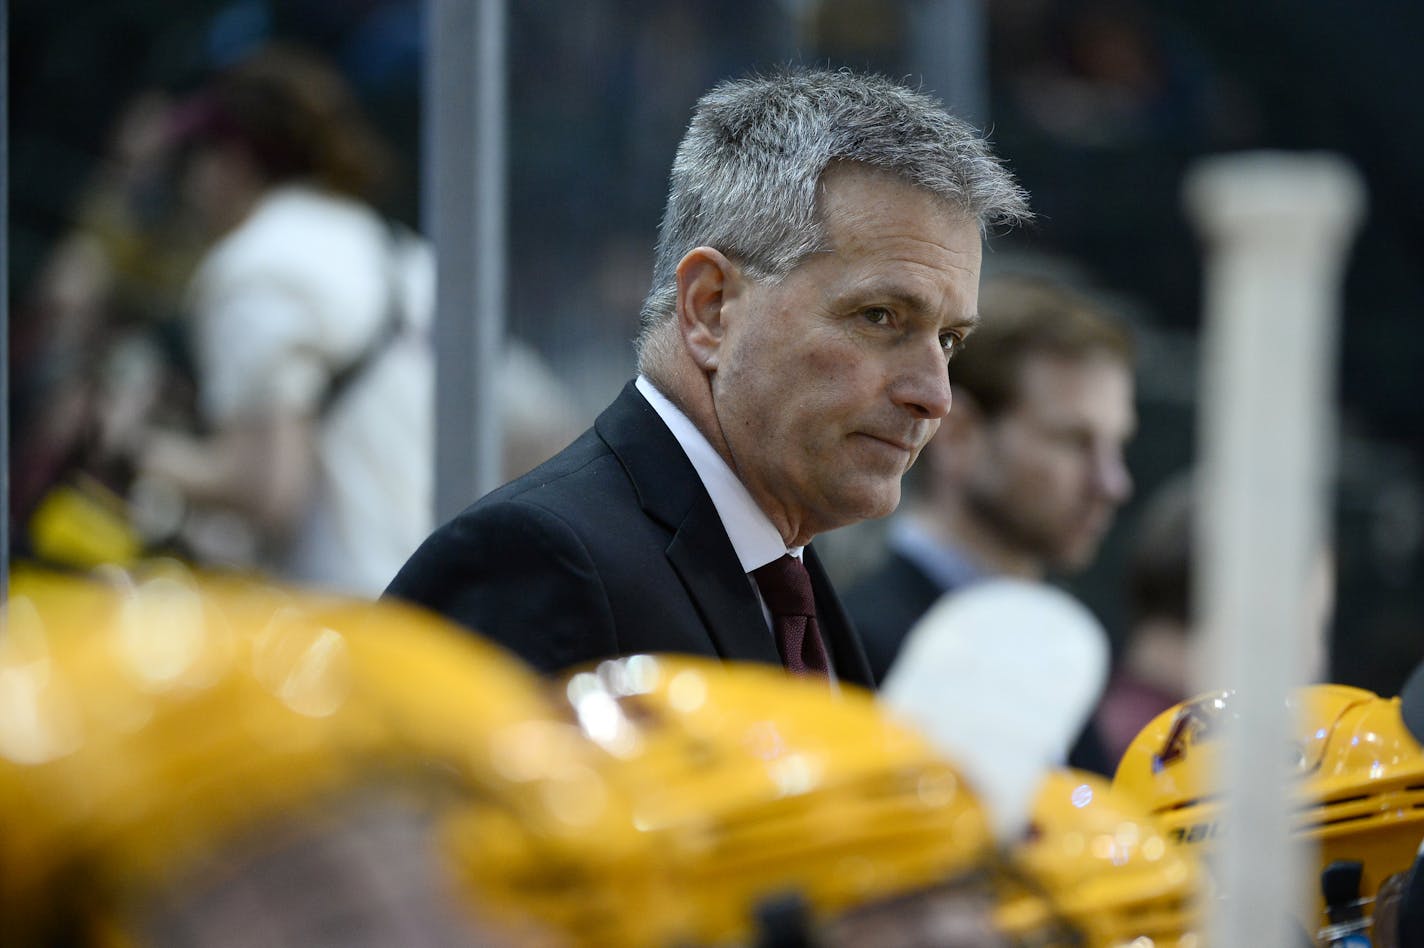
x: 1277, y: 229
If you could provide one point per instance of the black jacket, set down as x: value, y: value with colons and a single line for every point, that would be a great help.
x: 612, y: 547
x: 886, y: 603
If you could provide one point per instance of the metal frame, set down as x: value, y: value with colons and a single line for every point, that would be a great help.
x: 464, y: 201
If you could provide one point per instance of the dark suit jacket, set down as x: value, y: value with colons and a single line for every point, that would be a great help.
x: 885, y: 604
x: 612, y: 547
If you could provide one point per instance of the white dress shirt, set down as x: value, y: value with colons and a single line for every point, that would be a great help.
x: 754, y: 538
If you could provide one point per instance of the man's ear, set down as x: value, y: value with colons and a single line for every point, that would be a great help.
x: 706, y: 279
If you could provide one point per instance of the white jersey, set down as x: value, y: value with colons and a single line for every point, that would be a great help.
x: 292, y: 296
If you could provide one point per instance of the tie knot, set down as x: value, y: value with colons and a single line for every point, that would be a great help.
x: 786, y: 587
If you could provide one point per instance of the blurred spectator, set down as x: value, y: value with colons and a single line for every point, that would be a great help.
x: 103, y: 353
x: 308, y: 327
x: 101, y: 306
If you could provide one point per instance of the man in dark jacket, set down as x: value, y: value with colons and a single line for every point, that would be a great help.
x: 817, y: 264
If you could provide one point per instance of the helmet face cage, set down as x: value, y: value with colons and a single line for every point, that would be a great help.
x: 1359, y: 795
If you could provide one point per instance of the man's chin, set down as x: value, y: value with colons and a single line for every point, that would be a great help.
x: 1079, y: 555
x: 880, y: 501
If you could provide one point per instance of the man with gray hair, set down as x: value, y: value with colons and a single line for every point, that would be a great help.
x: 818, y: 263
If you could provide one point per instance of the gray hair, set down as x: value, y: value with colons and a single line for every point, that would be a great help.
x: 747, y: 173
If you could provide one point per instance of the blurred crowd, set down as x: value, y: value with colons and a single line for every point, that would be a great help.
x: 283, y: 383
x: 229, y: 352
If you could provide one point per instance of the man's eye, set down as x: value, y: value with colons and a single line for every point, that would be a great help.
x: 877, y: 315
x: 951, y: 343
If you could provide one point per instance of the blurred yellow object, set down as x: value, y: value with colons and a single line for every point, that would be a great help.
x: 1095, y: 859
x: 1359, y: 791
x: 751, y: 785
x: 83, y: 525
x: 152, y: 725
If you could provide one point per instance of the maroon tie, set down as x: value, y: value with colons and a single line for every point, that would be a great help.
x: 786, y: 587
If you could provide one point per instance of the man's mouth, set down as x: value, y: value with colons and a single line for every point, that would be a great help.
x: 907, y: 445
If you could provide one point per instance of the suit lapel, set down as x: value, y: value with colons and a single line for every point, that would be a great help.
x: 670, y: 492
x: 708, y: 565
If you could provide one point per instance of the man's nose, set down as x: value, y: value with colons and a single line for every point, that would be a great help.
x: 1112, y: 478
x: 922, y: 385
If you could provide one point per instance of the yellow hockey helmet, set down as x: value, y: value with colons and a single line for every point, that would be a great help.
x: 1170, y: 766
x: 1358, y: 793
x: 1363, y: 804
x: 1094, y: 861
x: 750, y: 784
x: 158, y: 732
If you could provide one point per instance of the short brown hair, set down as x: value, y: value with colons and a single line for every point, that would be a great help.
x: 297, y: 118
x: 1022, y: 317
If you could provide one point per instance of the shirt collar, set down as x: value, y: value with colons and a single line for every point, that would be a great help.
x: 754, y: 538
